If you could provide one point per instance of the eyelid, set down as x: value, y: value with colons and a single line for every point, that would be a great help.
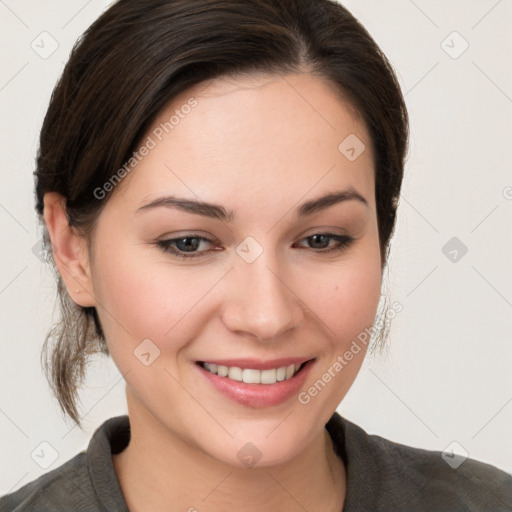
x: 166, y: 245
x: 343, y: 242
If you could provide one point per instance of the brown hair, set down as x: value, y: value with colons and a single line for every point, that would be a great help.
x: 138, y: 56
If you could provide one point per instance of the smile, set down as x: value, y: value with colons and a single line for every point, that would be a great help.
x: 254, y: 382
x: 251, y: 375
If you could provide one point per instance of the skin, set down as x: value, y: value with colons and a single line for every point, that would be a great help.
x: 259, y: 146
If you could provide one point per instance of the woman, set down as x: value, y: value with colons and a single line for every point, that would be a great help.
x: 218, y: 182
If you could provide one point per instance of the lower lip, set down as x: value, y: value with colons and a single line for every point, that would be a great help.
x: 258, y: 395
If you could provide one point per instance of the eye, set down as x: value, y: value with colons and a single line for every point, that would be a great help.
x: 185, y: 246
x: 320, y: 242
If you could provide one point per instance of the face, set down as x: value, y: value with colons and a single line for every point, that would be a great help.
x: 265, y: 279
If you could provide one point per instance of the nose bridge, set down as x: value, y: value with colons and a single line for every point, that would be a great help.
x: 260, y: 302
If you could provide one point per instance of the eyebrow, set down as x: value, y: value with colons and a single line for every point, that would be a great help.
x: 216, y: 211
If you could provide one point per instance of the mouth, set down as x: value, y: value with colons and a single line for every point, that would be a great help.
x: 253, y: 375
x: 257, y: 384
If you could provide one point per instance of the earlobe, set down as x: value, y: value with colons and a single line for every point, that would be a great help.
x: 69, y: 251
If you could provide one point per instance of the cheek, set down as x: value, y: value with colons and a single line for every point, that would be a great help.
x: 141, y: 297
x: 345, y: 297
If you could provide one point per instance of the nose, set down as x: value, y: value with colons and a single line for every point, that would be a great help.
x: 260, y: 299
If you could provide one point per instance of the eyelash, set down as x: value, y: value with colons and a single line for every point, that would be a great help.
x: 344, y: 241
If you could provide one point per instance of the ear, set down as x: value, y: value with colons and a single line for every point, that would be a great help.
x: 69, y: 251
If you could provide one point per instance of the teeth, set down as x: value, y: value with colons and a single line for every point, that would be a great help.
x: 235, y: 373
x: 268, y: 376
x: 251, y: 376
x: 222, y: 371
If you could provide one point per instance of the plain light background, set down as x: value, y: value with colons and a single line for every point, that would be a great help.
x: 446, y: 374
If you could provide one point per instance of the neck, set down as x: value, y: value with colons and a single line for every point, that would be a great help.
x: 158, y: 468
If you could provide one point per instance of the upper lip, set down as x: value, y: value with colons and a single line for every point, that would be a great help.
x: 257, y: 364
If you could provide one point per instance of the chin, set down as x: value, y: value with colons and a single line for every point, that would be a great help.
x: 269, y: 444
x: 259, y: 454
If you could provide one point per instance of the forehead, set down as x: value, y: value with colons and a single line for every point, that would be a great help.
x: 288, y: 132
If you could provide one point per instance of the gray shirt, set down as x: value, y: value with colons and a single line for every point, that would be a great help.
x: 381, y: 476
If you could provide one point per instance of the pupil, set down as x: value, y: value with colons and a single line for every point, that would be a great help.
x: 320, y: 241
x: 190, y: 246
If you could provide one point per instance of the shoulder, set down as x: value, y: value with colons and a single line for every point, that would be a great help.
x: 419, y: 479
x: 66, y: 487
x: 85, y: 483
x: 446, y: 476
